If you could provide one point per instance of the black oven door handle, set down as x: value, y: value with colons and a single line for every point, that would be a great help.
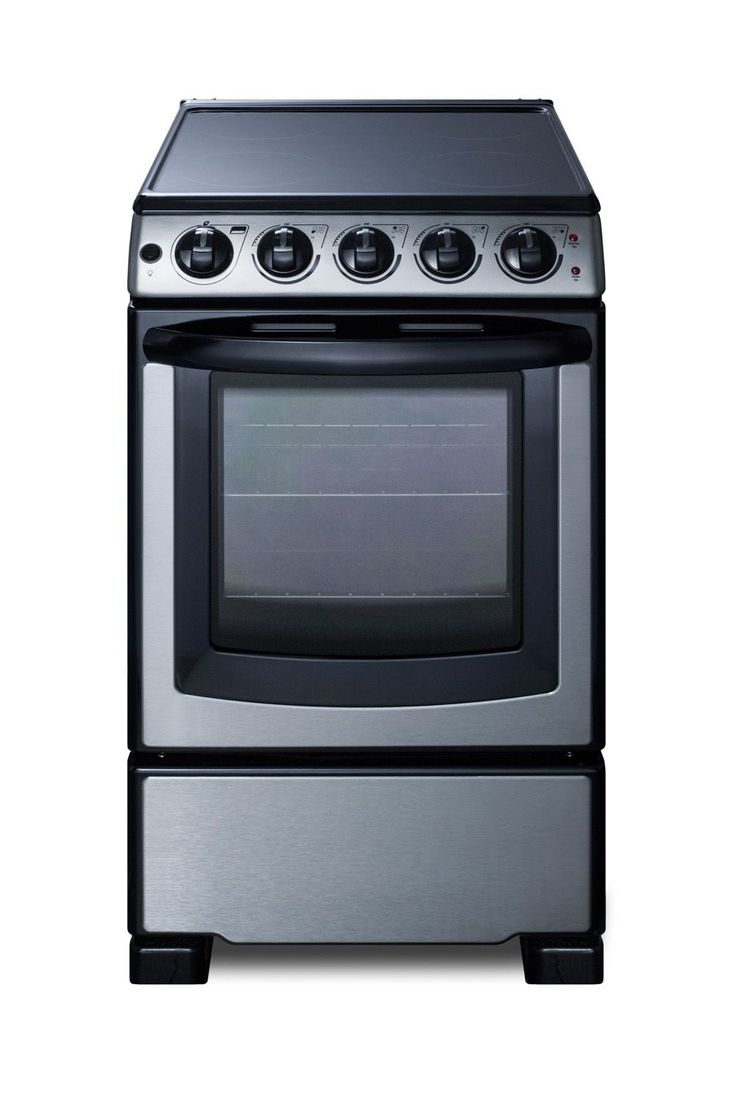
x: 186, y: 348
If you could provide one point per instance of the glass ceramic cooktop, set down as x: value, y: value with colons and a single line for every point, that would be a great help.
x: 514, y: 152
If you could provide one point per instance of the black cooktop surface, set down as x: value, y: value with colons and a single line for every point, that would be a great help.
x: 514, y: 151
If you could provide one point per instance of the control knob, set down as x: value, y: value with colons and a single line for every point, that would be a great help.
x: 447, y: 253
x: 203, y: 252
x: 366, y: 252
x: 528, y: 253
x: 285, y: 251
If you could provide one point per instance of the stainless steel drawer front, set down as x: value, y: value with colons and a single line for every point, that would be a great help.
x: 375, y: 858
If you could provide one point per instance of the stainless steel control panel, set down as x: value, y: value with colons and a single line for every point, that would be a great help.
x: 237, y: 255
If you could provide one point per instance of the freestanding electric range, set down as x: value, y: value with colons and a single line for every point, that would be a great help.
x: 366, y: 362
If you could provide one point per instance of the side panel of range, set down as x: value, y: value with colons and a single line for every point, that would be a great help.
x: 238, y: 255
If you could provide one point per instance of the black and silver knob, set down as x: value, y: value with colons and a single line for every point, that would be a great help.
x: 447, y: 253
x: 285, y: 251
x: 366, y: 252
x: 529, y: 253
x: 203, y: 252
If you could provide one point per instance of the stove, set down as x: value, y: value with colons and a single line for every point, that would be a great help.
x: 366, y: 664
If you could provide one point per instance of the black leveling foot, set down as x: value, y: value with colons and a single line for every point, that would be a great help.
x: 170, y: 959
x: 564, y: 961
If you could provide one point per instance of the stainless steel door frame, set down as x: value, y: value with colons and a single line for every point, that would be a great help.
x: 172, y: 719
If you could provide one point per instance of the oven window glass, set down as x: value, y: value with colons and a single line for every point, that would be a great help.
x: 359, y: 516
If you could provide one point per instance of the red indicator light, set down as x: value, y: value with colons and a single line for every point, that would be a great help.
x: 575, y: 271
x: 573, y: 237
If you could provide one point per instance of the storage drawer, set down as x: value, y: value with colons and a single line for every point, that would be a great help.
x: 364, y: 857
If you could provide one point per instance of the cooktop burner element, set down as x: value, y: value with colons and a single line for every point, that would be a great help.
x: 254, y: 168
x: 470, y: 169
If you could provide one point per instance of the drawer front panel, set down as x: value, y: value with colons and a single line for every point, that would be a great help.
x: 364, y: 858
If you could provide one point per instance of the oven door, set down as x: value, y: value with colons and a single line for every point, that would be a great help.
x: 363, y: 527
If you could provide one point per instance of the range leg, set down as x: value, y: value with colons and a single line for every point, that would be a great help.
x: 170, y: 959
x: 562, y: 961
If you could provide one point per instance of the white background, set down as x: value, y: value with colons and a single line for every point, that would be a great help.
x: 90, y: 90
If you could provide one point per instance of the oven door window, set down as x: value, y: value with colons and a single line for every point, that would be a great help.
x: 366, y: 516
